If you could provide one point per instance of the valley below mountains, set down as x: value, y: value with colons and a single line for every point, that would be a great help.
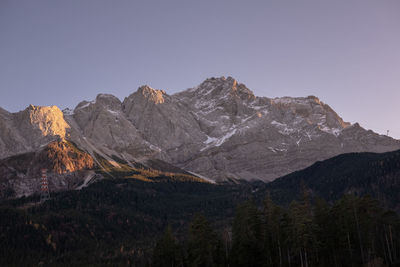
x: 120, y: 221
x: 218, y: 131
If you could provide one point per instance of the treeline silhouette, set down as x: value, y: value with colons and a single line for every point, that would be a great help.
x: 354, y: 231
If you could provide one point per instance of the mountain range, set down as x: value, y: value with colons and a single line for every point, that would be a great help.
x: 218, y: 131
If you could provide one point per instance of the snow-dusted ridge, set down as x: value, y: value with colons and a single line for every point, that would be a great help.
x: 218, y: 129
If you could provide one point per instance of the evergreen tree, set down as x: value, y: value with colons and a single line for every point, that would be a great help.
x: 273, y: 241
x: 205, y: 248
x: 247, y: 237
x: 167, y: 252
x: 324, y: 233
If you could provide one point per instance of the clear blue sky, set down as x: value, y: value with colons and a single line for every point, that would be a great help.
x: 345, y: 52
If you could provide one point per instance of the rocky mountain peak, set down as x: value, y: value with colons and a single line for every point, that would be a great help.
x: 154, y: 95
x: 312, y: 110
x: 107, y: 98
x: 30, y: 129
x: 224, y: 88
x: 108, y: 101
x: 314, y: 98
x: 84, y: 104
x: 49, y: 120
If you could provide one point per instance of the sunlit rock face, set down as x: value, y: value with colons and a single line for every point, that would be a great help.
x: 66, y: 165
x: 49, y: 120
x: 152, y: 95
x: 31, y: 128
x: 62, y: 157
x: 218, y: 129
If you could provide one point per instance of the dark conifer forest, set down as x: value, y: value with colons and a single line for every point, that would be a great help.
x: 339, y: 212
x: 353, y: 231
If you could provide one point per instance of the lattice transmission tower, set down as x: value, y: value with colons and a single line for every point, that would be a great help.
x: 44, y: 187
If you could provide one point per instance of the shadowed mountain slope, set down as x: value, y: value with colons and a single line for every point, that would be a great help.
x: 374, y: 174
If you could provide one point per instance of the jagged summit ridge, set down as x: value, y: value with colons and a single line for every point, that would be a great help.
x: 224, y: 88
x: 218, y: 129
x: 313, y: 111
x: 154, y: 95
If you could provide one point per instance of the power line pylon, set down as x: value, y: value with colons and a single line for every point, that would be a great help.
x: 44, y: 187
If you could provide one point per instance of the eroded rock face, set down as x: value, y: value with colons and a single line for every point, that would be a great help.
x: 48, y: 120
x: 162, y: 120
x: 218, y: 129
x: 101, y: 127
x: 249, y: 137
x: 31, y: 128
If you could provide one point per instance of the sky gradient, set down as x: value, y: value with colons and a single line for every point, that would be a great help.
x: 345, y: 52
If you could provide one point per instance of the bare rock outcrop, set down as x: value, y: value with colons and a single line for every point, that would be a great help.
x: 218, y: 129
x: 30, y: 129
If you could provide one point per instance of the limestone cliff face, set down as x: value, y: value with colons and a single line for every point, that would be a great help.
x: 249, y: 137
x: 101, y: 126
x: 162, y: 120
x: 218, y: 129
x: 48, y: 120
x: 31, y: 128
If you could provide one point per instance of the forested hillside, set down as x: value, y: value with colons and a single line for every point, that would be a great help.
x: 111, y: 222
x: 118, y: 220
x: 374, y: 174
x: 352, y: 232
